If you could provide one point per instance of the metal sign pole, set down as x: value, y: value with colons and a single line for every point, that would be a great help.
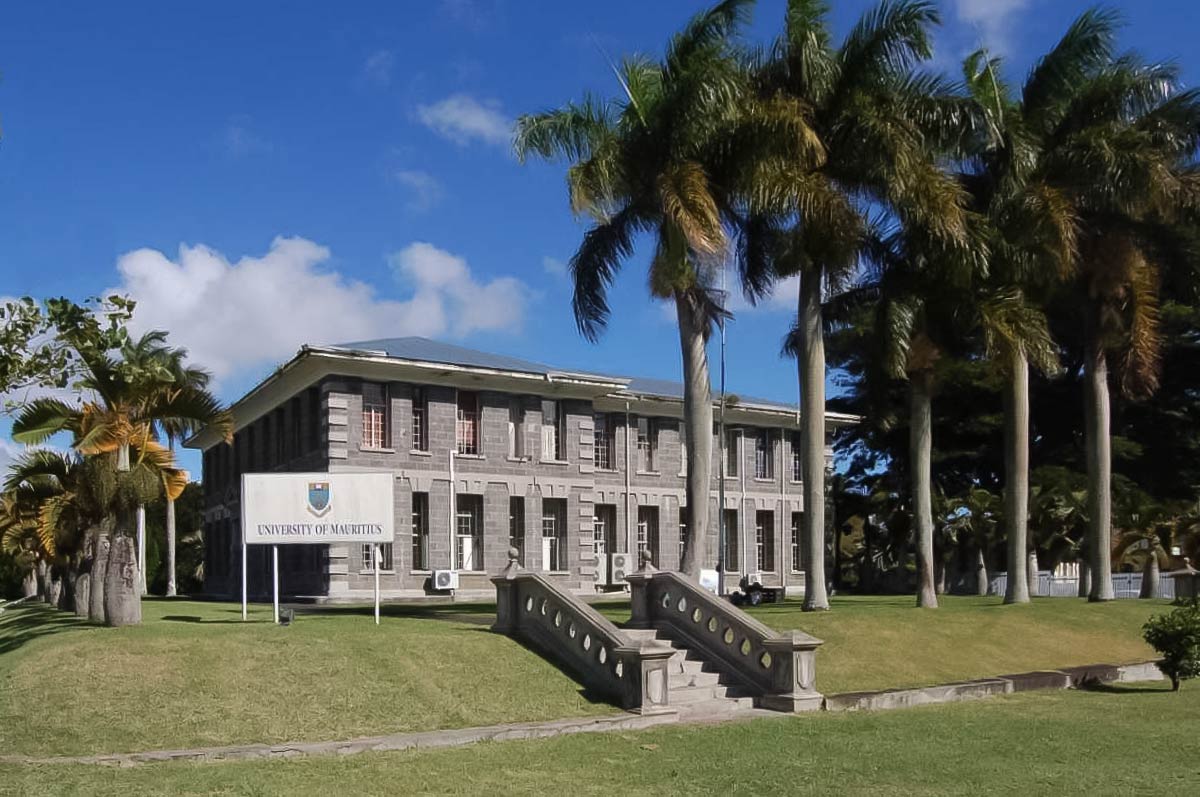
x: 243, y: 577
x: 275, y: 577
x: 378, y: 560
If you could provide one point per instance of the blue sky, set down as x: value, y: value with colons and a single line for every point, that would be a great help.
x: 259, y: 175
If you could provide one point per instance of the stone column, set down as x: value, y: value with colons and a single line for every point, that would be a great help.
x: 508, y: 599
x: 639, y: 592
x: 793, y: 672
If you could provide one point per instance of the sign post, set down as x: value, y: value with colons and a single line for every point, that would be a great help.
x: 316, y: 509
x: 378, y: 561
x: 243, y: 578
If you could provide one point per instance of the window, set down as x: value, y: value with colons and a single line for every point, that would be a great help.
x: 516, y: 526
x: 516, y: 430
x: 647, y: 444
x: 603, y: 447
x: 554, y: 534
x: 554, y: 430
x: 280, y: 438
x: 385, y: 557
x: 296, y: 408
x: 420, y: 420
x: 604, y: 529
x: 683, y: 531
x: 797, y: 549
x: 468, y: 529
x: 731, y: 453
x: 647, y: 530
x: 252, y: 448
x: 467, y: 427
x: 797, y: 459
x: 764, y: 463
x: 375, y: 415
x: 314, y: 418
x: 764, y: 540
x: 730, y: 517
x: 420, y: 531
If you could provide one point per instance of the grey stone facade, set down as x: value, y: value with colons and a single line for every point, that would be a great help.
x: 311, y: 418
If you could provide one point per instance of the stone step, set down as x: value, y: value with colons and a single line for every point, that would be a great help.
x: 683, y: 680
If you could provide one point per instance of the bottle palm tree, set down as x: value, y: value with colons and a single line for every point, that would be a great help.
x: 874, y: 118
x: 1125, y: 145
x: 116, y: 421
x: 650, y: 162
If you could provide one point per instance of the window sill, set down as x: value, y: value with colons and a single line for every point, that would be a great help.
x: 606, y: 470
x: 555, y: 572
x: 553, y: 462
x: 420, y: 572
x: 520, y: 460
x: 763, y: 480
x: 381, y: 572
x: 478, y: 457
x: 648, y: 473
x: 377, y: 450
x: 418, y: 452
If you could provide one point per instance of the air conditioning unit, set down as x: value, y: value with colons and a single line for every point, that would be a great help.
x: 620, y: 565
x: 445, y: 579
x: 601, y: 570
x: 753, y: 578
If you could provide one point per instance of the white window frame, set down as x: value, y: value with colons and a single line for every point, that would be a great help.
x: 467, y: 421
x: 468, y: 517
x: 375, y: 418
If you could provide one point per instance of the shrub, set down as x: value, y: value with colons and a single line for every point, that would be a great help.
x: 1177, y: 637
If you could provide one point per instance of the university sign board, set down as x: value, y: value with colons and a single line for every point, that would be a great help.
x: 317, y: 508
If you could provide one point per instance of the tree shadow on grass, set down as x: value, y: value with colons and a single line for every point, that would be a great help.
x: 23, y: 624
x: 1118, y: 689
x: 193, y: 618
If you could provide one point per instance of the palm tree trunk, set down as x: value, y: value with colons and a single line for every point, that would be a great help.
x: 170, y: 547
x: 100, y: 555
x: 1150, y: 578
x: 122, y: 593
x: 920, y: 448
x: 1031, y: 573
x: 982, y: 583
x: 698, y: 419
x: 939, y: 573
x: 29, y: 584
x: 1085, y: 579
x: 812, y: 440
x: 54, y: 587
x: 1099, y: 466
x: 41, y: 572
x: 1016, y: 477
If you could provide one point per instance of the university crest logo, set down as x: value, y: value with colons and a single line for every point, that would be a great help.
x: 318, y: 498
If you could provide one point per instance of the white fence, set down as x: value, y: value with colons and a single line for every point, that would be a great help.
x: 1125, y: 585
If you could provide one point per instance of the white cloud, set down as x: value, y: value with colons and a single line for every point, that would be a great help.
x: 377, y: 69
x: 554, y: 266
x: 423, y: 188
x: 443, y: 286
x: 992, y: 20
x: 463, y: 119
x: 238, y: 315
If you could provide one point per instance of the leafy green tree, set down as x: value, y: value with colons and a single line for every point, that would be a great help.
x: 874, y: 116
x: 1176, y: 635
x: 649, y: 162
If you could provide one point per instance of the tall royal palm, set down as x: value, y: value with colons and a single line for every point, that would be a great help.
x: 646, y: 163
x: 1031, y: 223
x: 175, y: 378
x: 1125, y: 146
x: 875, y: 118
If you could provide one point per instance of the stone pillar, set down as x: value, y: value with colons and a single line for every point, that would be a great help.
x: 508, y: 597
x: 653, y: 688
x: 639, y: 592
x: 793, y: 672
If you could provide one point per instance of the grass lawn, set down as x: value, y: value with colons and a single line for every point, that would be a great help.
x: 1119, y: 741
x: 194, y: 675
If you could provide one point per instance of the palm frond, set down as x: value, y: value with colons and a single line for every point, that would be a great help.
x: 42, y: 418
x: 594, y: 266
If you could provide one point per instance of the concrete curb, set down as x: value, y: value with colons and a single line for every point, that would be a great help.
x: 1069, y: 678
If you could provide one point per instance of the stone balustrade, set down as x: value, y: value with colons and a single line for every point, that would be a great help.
x: 569, y: 632
x: 780, y: 666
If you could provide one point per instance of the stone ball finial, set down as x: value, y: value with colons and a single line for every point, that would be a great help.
x: 644, y: 557
x: 513, y: 553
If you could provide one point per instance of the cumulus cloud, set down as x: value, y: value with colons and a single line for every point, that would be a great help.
x: 554, y: 267
x: 463, y: 119
x: 377, y: 69
x: 234, y: 315
x: 443, y: 286
x: 423, y: 188
x: 991, y: 19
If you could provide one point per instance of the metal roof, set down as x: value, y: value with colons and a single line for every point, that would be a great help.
x: 433, y: 351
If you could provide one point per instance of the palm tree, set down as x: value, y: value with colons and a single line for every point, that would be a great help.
x: 1031, y: 239
x: 117, y: 422
x: 151, y: 352
x: 650, y: 162
x: 1124, y: 146
x: 874, y: 118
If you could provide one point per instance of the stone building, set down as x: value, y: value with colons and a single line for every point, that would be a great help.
x: 490, y: 452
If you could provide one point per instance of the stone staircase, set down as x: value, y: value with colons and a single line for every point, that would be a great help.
x: 698, y: 689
